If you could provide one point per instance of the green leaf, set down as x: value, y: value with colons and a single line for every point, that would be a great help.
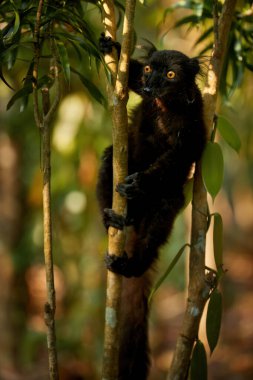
x: 13, y: 27
x: 169, y: 269
x: 188, y: 189
x: 203, y: 36
x: 93, y: 90
x: 63, y: 54
x: 22, y: 93
x: 199, y: 362
x: 16, y: 23
x: 218, y: 241
x: 192, y: 19
x: 212, y: 168
x: 27, y: 89
x: 229, y: 133
x: 206, y: 48
x: 213, y: 319
x: 3, y: 78
x: 27, y: 82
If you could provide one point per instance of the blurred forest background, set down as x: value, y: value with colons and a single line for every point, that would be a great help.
x: 80, y: 132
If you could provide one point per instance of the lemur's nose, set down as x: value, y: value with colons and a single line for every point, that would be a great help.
x: 147, y: 90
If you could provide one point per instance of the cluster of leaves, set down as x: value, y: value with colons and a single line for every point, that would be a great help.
x: 198, y: 369
x: 61, y: 21
x: 240, y: 46
x: 212, y: 172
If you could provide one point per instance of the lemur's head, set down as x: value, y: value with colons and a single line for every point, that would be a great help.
x: 166, y: 72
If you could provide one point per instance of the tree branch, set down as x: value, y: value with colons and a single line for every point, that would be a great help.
x: 49, y: 310
x: 116, y: 238
x: 42, y: 119
x: 37, y: 115
x: 50, y: 306
x: 198, y: 291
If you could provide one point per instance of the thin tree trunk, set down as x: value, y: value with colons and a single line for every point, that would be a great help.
x: 49, y: 309
x: 118, y: 94
x: 43, y: 120
x: 199, y: 288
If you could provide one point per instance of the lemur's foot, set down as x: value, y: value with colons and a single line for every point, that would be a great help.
x: 114, y: 220
x: 106, y: 44
x: 118, y: 264
x: 131, y: 187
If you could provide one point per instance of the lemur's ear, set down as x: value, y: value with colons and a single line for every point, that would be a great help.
x: 194, y: 66
x: 148, y: 48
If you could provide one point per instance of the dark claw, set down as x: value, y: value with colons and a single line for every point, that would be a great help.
x: 118, y: 264
x: 106, y: 44
x: 114, y: 220
x: 125, y: 190
x: 130, y: 188
x: 132, y: 178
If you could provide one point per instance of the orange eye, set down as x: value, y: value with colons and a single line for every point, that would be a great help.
x: 171, y: 74
x: 147, y: 69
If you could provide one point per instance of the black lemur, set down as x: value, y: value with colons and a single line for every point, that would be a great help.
x: 166, y: 136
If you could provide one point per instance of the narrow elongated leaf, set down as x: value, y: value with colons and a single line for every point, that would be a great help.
x: 63, y: 54
x: 229, y: 133
x: 237, y: 72
x: 205, y: 35
x: 212, y: 168
x: 25, y: 91
x: 90, y: 49
x: 16, y: 23
x: 199, y: 362
x: 188, y: 188
x: 192, y: 19
x: 22, y: 93
x: 4, y: 80
x: 194, y: 6
x: 13, y: 27
x: 93, y: 90
x: 206, y: 48
x: 12, y: 51
x: 169, y: 269
x: 213, y: 319
x: 27, y: 82
x: 218, y: 240
x: 248, y: 65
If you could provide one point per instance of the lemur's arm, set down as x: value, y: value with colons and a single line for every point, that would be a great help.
x: 143, y: 183
x: 135, y: 67
x: 174, y: 164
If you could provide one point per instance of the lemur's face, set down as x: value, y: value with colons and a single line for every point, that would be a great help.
x: 166, y: 72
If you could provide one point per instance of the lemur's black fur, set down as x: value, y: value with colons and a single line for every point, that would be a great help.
x: 166, y: 136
